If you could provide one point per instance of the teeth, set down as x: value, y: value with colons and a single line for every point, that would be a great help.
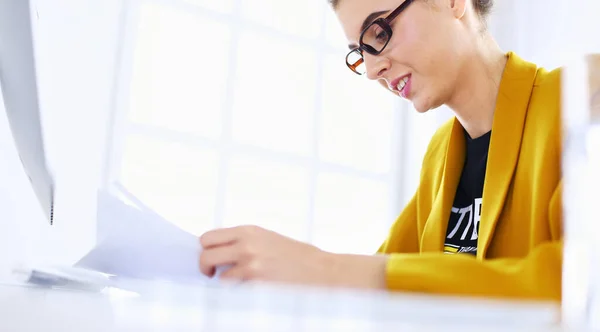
x: 402, y: 83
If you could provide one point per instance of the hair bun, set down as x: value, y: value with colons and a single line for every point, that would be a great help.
x: 483, y: 7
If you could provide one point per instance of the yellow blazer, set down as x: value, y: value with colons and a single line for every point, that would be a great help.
x: 520, y: 232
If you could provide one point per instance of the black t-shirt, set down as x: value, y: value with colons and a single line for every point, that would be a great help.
x: 463, y: 226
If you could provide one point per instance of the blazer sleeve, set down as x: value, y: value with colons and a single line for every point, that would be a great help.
x: 537, y: 276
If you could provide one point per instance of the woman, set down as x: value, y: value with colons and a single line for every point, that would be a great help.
x: 490, y: 188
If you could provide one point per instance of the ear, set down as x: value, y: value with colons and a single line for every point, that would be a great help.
x: 458, y: 7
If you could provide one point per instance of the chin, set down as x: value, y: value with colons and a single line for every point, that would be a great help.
x: 421, y: 107
x: 425, y: 104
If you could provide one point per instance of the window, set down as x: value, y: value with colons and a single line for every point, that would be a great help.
x: 243, y: 112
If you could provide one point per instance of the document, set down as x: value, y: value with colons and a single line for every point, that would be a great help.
x: 138, y: 243
x: 137, y: 248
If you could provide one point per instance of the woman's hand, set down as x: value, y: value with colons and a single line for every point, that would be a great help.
x: 256, y: 254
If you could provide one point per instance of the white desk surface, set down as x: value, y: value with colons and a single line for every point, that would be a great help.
x: 261, y: 308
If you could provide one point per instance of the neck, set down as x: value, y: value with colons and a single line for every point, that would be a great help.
x: 474, y: 100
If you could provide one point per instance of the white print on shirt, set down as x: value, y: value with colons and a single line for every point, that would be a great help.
x: 467, y: 216
x: 467, y: 249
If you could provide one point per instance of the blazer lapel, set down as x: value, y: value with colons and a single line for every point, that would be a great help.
x: 507, y: 131
x: 437, y: 222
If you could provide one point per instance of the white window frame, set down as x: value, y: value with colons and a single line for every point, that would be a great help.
x: 119, y: 126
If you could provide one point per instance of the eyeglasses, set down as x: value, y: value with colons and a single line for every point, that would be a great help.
x: 373, y: 40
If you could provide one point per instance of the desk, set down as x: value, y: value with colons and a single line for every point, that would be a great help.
x: 261, y: 308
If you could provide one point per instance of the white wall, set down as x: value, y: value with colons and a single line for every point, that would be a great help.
x: 76, y: 43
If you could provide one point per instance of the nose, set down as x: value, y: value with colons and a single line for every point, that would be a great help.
x: 376, y: 66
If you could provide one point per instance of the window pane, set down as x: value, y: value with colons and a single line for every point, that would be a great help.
x: 356, y: 120
x: 297, y: 17
x: 274, y: 94
x: 268, y: 194
x: 178, y: 82
x: 350, y: 214
x: 218, y: 5
x: 178, y: 181
x: 334, y: 33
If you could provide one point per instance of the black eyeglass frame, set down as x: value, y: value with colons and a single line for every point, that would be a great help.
x: 383, y: 23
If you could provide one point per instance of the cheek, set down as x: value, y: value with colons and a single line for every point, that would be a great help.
x: 434, y: 66
x: 414, y: 50
x: 424, y: 45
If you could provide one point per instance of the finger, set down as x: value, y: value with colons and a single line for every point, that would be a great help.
x: 219, y: 237
x: 207, y: 271
x: 244, y: 271
x: 236, y: 273
x: 211, y: 258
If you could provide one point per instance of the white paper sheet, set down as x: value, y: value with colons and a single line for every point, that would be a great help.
x: 140, y: 244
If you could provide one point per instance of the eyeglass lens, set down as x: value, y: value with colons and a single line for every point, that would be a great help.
x: 376, y: 36
x: 356, y: 62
